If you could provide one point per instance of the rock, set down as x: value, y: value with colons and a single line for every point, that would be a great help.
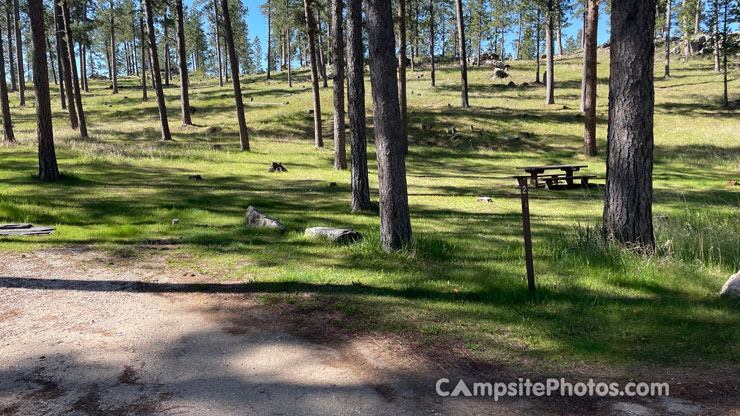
x: 257, y: 219
x: 332, y: 184
x: 472, y: 128
x: 451, y: 130
x: 195, y: 177
x: 216, y: 147
x: 511, y: 84
x: 337, y: 235
x: 731, y: 289
x: 276, y: 167
x: 527, y: 135
x: 309, y: 111
x: 455, y: 136
x: 484, y: 199
x: 525, y: 84
x: 499, y: 74
x: 175, y: 221
x: 565, y: 107
x: 509, y: 138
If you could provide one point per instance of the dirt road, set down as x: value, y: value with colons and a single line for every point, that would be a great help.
x: 82, y: 333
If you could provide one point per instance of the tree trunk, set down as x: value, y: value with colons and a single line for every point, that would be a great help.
x: 19, y: 53
x: 107, y: 61
x: 269, y: 37
x: 685, y: 30
x: 51, y: 60
x: 431, y: 40
x: 724, y: 52
x: 8, y: 134
x: 229, y: 37
x: 519, y: 38
x: 697, y: 18
x: 322, y: 59
x: 337, y: 45
x: 311, y: 28
x: 585, y: 57
x: 360, y: 189
x: 537, y: 41
x: 717, y: 67
x: 463, y: 55
x: 114, y: 50
x: 48, y: 170
x: 589, y: 65
x: 628, y: 214
x: 167, y: 67
x: 156, y: 76
x: 66, y: 63
x: 11, y: 58
x: 668, y: 39
x: 289, y: 56
x: 184, y: 98
x: 83, y: 67
x: 75, y: 81
x: 560, y: 36
x: 60, y: 65
x: 549, y: 76
x: 402, y: 76
x: 218, y: 44
x: 143, y: 61
x: 480, y: 35
x: 395, y: 224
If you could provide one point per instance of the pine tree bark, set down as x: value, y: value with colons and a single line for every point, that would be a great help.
x: 60, y: 65
x: 19, y: 52
x: 549, y: 45
x: 75, y: 81
x: 402, y: 76
x: 668, y: 18
x: 114, y: 50
x: 156, y: 76
x: 360, y: 188
x: 183, y: 61
x: 229, y: 37
x: 537, y: 41
x: 431, y: 40
x: 322, y: 59
x: 337, y: 45
x: 8, y: 134
x: 64, y: 57
x: 463, y: 55
x: 143, y: 60
x: 48, y: 169
x: 717, y: 67
x: 395, y: 224
x: 51, y: 60
x: 311, y: 29
x: 269, y: 38
x: 629, y: 177
x: 218, y: 44
x: 11, y: 58
x: 589, y: 65
x: 167, y: 67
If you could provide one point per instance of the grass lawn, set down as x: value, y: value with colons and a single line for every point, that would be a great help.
x: 464, y: 280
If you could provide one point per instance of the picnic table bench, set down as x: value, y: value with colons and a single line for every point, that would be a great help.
x: 553, y: 181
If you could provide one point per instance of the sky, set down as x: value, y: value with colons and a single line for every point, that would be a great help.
x: 258, y: 26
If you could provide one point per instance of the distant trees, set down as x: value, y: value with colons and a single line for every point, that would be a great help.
x: 628, y: 214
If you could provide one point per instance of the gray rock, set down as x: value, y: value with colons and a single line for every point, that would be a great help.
x: 337, y: 235
x: 484, y: 199
x: 509, y: 138
x: 731, y: 289
x: 175, y: 221
x: 195, y: 177
x: 511, y: 84
x: 257, y: 219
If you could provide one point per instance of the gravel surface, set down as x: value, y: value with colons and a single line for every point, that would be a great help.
x: 82, y: 332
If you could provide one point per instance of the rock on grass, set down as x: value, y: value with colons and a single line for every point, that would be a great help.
x: 337, y: 235
x: 257, y: 219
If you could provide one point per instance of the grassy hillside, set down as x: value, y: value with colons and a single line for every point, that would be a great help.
x: 464, y: 280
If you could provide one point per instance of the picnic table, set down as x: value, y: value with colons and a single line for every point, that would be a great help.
x: 552, y: 181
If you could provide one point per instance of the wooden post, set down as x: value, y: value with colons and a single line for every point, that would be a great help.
x: 527, y: 232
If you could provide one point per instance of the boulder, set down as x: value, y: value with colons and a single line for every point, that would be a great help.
x: 337, y: 235
x: 484, y: 199
x: 731, y: 289
x: 499, y: 74
x: 511, y: 84
x: 257, y: 219
x: 509, y: 138
x: 195, y: 177
x: 276, y: 167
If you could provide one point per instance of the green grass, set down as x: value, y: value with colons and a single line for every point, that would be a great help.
x: 464, y: 278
